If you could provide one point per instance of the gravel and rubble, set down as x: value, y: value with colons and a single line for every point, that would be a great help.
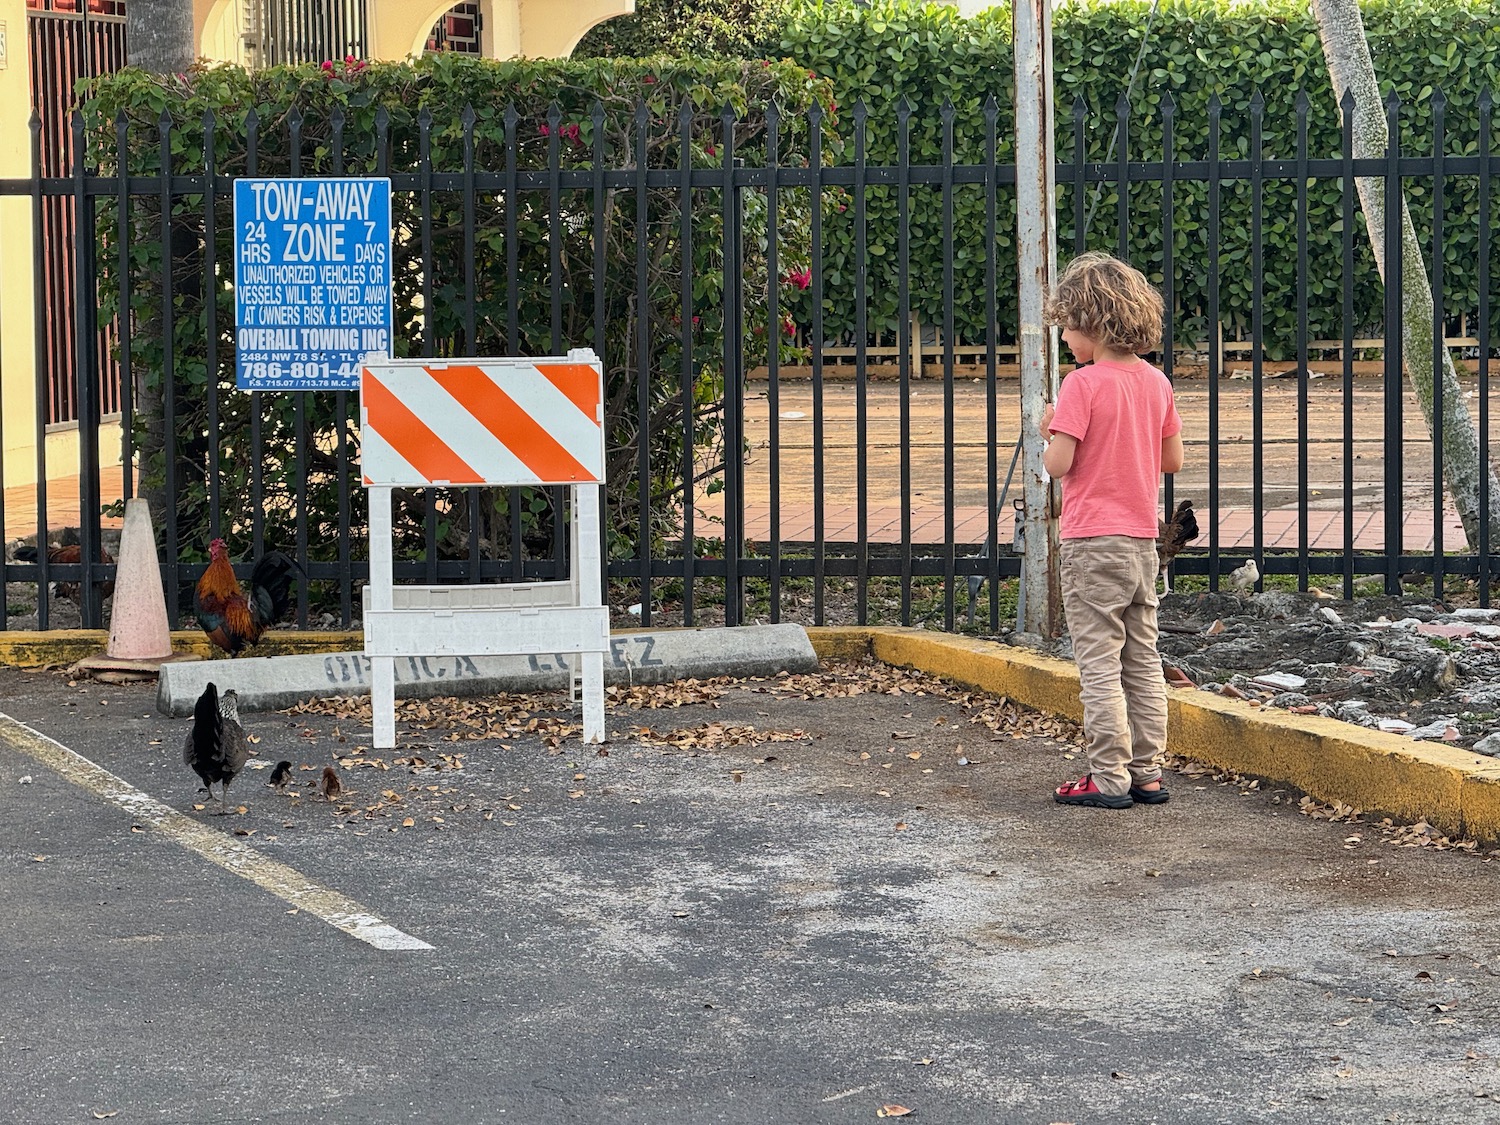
x: 1407, y: 665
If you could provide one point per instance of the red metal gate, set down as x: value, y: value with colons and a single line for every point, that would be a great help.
x: 457, y: 30
x: 68, y: 40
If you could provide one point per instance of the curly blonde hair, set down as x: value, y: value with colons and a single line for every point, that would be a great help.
x: 1109, y: 301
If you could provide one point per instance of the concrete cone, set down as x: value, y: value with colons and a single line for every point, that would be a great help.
x: 138, y: 624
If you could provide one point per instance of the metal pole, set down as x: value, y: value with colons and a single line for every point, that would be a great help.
x: 1036, y: 242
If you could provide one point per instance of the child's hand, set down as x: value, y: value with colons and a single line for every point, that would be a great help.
x: 1046, y: 424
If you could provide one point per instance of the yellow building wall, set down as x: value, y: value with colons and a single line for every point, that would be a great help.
x: 219, y: 27
x: 16, y: 347
x: 537, y: 29
x: 399, y: 28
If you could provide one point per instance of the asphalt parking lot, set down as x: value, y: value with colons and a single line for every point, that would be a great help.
x: 866, y: 902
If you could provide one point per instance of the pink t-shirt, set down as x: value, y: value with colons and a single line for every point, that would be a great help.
x: 1120, y: 414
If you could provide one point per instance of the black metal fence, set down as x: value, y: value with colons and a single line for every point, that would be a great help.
x: 862, y: 506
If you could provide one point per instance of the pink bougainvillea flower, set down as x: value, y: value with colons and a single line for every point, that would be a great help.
x: 800, y: 278
x: 327, y: 64
x: 544, y: 130
x: 710, y: 150
x: 649, y: 80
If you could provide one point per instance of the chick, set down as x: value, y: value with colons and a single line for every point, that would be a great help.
x: 331, y: 786
x: 1242, y: 579
x: 279, y: 775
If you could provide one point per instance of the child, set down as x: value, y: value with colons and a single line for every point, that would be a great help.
x: 1112, y: 434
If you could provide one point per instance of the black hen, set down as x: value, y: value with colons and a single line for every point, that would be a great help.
x: 216, y: 749
x: 1173, y: 535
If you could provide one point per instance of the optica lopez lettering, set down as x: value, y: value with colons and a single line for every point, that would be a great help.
x: 354, y: 668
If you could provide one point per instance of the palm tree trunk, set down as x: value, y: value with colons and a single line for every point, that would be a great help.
x: 1350, y: 67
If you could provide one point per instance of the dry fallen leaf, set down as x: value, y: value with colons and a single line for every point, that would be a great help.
x: 915, y: 755
x: 101, y: 1114
x: 408, y: 823
x: 892, y: 1111
x: 901, y: 826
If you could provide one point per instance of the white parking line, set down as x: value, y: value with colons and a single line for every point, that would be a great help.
x: 282, y: 881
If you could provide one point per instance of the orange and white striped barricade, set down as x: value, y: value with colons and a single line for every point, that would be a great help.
x: 494, y: 422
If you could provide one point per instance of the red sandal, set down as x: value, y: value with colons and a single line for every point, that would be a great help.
x: 1085, y: 792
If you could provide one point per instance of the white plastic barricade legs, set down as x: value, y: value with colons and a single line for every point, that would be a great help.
x: 378, y: 600
x: 486, y: 422
x: 588, y: 581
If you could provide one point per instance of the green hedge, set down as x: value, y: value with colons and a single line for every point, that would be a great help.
x: 894, y: 49
x: 444, y: 85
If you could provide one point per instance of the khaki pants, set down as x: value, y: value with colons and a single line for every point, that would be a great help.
x: 1109, y: 597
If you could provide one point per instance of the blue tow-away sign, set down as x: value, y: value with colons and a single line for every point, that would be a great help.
x: 312, y: 281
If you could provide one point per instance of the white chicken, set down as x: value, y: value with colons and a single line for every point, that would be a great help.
x: 1242, y: 579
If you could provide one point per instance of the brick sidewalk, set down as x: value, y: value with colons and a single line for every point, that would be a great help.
x: 62, y: 503
x: 1282, y: 460
x: 1236, y: 527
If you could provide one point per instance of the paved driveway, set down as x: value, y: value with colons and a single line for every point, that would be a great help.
x: 785, y: 931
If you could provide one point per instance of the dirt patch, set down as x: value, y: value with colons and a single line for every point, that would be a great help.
x: 1407, y: 665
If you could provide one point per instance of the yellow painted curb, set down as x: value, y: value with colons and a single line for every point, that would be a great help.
x: 67, y: 646
x: 1456, y: 791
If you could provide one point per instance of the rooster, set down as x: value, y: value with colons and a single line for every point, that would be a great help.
x: 1172, y: 536
x: 234, y: 619
x: 215, y: 748
x: 69, y: 554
